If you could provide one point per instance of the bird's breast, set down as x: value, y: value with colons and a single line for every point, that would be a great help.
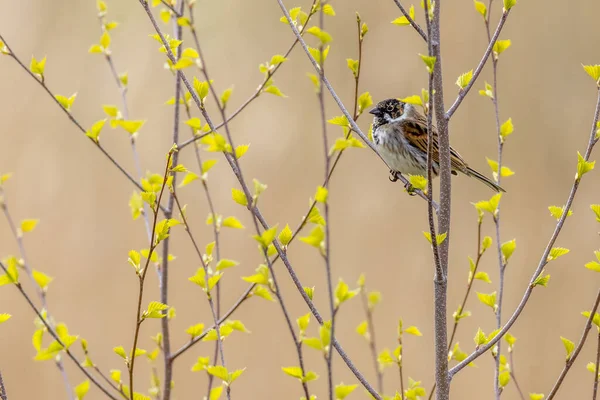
x: 397, y: 152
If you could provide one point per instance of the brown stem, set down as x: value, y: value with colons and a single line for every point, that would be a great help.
x: 142, y: 278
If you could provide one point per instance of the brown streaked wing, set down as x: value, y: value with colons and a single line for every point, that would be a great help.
x: 415, y: 131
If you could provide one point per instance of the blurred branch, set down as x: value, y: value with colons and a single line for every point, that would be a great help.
x: 372, y: 340
x: 3, y: 395
x: 53, y: 333
x: 544, y: 258
x: 501, y: 263
x: 123, y: 89
x: 260, y: 87
x: 142, y: 276
x: 327, y: 251
x: 217, y: 324
x: 70, y: 116
x: 163, y: 280
x: 211, y: 207
x: 463, y: 93
x: 595, y: 392
x: 172, y: 9
x: 513, y: 375
x: 573, y: 357
x: 411, y: 21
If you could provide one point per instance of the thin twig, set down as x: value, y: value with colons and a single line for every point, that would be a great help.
x: 215, y: 221
x: 543, y: 260
x: 123, y: 89
x: 57, y: 338
x: 246, y: 295
x: 496, y: 217
x: 513, y: 375
x: 372, y: 341
x: 65, y: 378
x: 327, y: 250
x: 595, y: 391
x: 439, y: 272
x: 571, y: 360
x: 205, y: 267
x: 400, y: 365
x: 463, y: 93
x: 164, y: 269
x: 171, y: 8
x: 142, y: 277
x: 411, y: 21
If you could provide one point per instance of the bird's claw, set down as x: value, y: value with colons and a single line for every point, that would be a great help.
x: 393, y: 177
x: 410, y: 189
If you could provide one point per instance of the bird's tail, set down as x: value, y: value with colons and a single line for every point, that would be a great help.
x: 472, y: 173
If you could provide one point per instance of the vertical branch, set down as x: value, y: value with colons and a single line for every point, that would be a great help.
x: 164, y: 269
x: 400, y: 364
x: 461, y: 307
x: 123, y: 89
x: 210, y: 298
x: 513, y: 374
x: 501, y: 263
x: 440, y: 285
x: 327, y: 250
x: 3, y: 394
x: 142, y: 275
x: 595, y: 392
x: 372, y: 341
x: 215, y: 224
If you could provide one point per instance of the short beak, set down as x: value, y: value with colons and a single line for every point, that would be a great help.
x: 375, y: 111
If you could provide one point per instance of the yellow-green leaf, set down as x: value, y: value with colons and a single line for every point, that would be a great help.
x: 403, y: 21
x: 464, y: 79
x: 27, y: 225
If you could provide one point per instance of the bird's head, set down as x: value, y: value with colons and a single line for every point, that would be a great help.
x: 388, y: 111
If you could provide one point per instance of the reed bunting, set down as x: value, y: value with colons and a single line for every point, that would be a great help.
x: 400, y: 136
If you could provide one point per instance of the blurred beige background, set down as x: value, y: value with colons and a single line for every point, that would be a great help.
x: 86, y: 229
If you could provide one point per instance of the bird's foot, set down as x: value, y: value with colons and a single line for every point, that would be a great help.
x: 410, y: 189
x: 393, y: 176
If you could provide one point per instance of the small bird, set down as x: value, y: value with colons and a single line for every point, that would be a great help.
x: 400, y: 136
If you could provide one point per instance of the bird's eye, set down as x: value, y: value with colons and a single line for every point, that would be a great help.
x: 390, y: 108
